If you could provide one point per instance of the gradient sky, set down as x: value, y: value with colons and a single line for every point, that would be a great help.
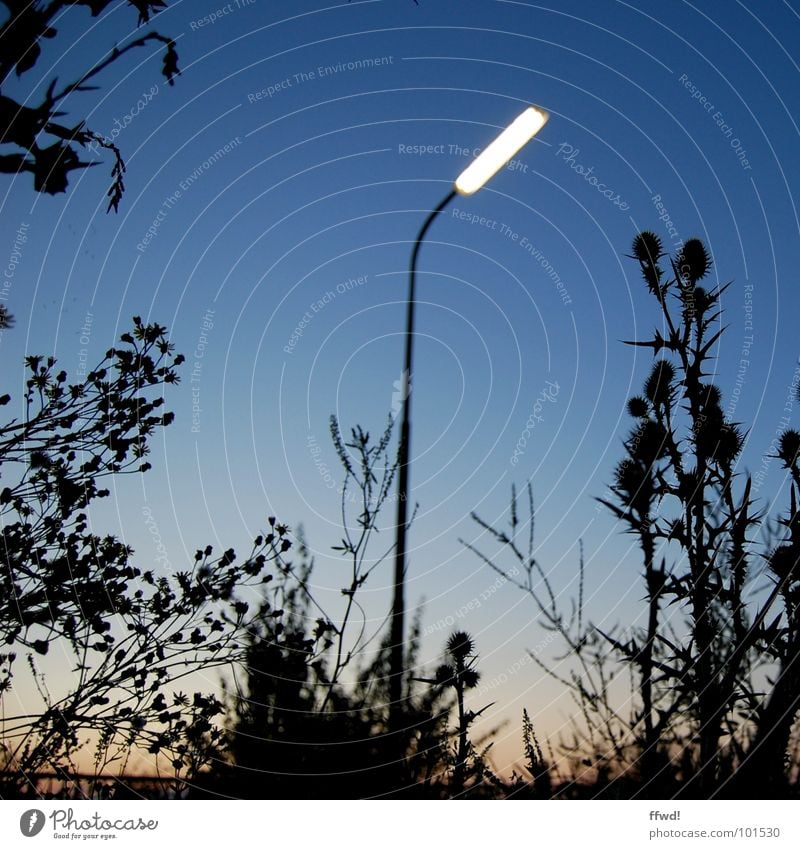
x: 681, y: 111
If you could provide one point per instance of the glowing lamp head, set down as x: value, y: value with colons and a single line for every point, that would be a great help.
x: 501, y: 150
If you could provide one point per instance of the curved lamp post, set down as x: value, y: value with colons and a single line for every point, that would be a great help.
x: 476, y: 175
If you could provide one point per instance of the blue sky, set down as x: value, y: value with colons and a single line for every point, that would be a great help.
x: 279, y: 179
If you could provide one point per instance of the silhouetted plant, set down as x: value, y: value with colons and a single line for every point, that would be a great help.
x: 311, y: 716
x: 705, y: 704
x: 683, y: 451
x: 539, y: 784
x: 293, y: 735
x: 767, y: 764
x: 6, y: 319
x: 26, y: 127
x: 296, y: 726
x: 677, y: 490
x: 130, y: 634
x: 599, y: 745
x: 470, y: 768
x: 535, y: 762
x: 369, y: 471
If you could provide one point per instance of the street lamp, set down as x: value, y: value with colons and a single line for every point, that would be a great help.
x: 476, y: 175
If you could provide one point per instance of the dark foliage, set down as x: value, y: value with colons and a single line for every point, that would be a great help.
x: 312, y: 717
x: 290, y: 738
x: 714, y: 673
x: 293, y: 736
x: 678, y: 491
x: 24, y: 130
x: 128, y: 634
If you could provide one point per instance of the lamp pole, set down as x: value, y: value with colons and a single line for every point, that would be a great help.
x: 480, y: 170
x: 398, y: 603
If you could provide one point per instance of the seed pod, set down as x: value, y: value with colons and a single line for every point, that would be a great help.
x: 789, y: 448
x: 460, y: 645
x: 638, y: 407
x: 693, y: 261
x: 647, y: 247
x: 658, y: 387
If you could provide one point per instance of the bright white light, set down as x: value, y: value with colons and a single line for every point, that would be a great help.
x: 501, y: 150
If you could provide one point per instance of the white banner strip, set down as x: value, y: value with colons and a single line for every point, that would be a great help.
x: 402, y: 825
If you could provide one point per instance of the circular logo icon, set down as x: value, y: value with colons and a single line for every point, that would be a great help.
x: 31, y: 822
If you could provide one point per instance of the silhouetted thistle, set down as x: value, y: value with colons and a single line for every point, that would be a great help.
x: 693, y: 261
x: 789, y: 448
x: 649, y: 442
x: 647, y: 247
x: 677, y: 531
x: 638, y: 407
x: 445, y: 675
x: 627, y: 476
x: 460, y: 645
x: 634, y: 485
x: 696, y: 303
x: 461, y: 675
x: 710, y: 396
x: 658, y: 387
x: 729, y: 444
x: 784, y: 561
x: 470, y: 677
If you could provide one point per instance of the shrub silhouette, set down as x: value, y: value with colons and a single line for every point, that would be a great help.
x: 311, y: 717
x: 284, y: 744
x: 286, y: 740
x: 130, y: 634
